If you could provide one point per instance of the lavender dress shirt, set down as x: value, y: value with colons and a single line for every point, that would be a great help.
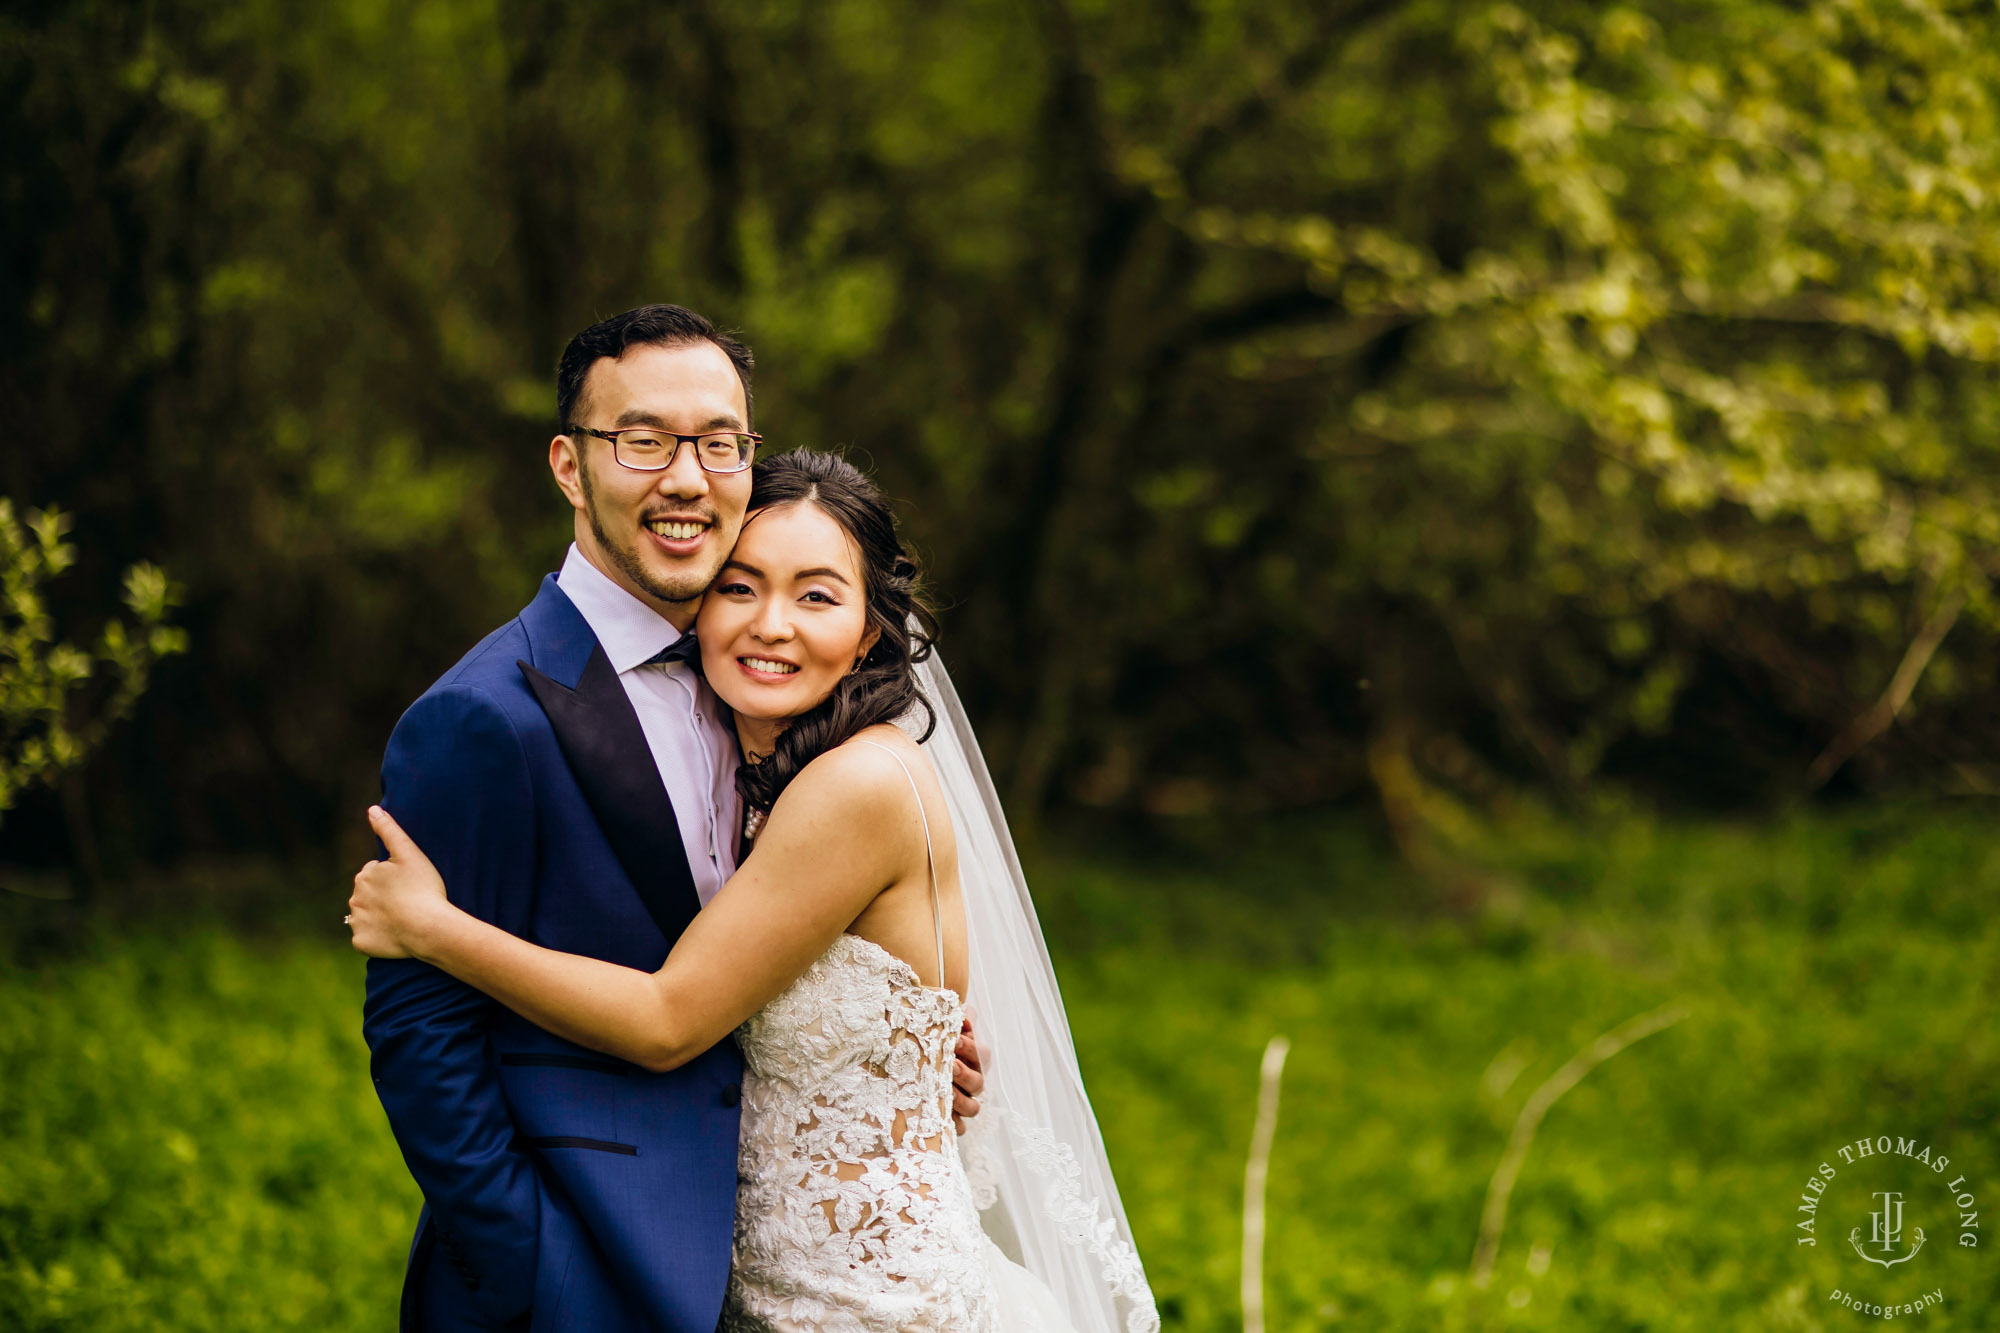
x: 686, y: 726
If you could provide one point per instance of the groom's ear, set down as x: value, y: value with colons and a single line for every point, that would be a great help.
x: 566, y: 462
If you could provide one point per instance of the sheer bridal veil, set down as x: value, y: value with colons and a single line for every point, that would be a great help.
x: 1034, y: 1154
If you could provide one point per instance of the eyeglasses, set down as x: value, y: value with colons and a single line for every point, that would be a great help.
x: 644, y: 449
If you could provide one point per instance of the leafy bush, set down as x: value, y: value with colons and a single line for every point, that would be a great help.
x: 47, y: 724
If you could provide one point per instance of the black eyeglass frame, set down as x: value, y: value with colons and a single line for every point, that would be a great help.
x: 679, y: 440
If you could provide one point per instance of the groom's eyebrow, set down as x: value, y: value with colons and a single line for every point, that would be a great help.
x: 639, y: 416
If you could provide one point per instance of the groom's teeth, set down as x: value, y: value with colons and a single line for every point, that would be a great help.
x: 676, y: 532
x: 760, y: 664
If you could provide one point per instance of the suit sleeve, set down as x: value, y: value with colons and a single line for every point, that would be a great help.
x: 455, y: 776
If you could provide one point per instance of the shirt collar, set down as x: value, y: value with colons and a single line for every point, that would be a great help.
x: 629, y: 631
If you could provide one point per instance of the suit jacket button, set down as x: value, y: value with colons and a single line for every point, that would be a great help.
x: 732, y: 1094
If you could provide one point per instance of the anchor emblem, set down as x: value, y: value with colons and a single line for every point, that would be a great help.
x: 1886, y: 1228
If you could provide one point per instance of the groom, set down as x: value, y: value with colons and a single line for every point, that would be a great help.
x: 573, y: 778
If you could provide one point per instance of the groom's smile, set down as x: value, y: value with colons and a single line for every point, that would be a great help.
x: 677, y: 530
x: 680, y: 536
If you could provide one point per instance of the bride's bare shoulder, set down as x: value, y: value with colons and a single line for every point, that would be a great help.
x: 864, y: 776
x: 868, y: 766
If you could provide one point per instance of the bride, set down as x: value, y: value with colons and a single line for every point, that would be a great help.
x: 879, y: 894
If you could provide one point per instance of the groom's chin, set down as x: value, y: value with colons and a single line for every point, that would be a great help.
x: 678, y: 581
x: 666, y: 576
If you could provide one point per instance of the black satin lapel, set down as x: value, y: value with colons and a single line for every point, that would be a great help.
x: 600, y: 737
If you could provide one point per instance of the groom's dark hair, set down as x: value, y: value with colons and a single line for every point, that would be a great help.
x: 648, y: 326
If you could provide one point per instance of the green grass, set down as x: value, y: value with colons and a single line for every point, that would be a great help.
x: 188, y: 1139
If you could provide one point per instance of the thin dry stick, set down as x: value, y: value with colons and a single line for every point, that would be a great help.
x: 1494, y: 1219
x: 1254, y: 1177
x: 1877, y: 719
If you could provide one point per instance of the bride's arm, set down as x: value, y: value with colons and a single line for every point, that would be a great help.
x: 840, y: 834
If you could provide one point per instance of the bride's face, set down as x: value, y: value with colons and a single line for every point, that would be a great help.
x: 788, y: 615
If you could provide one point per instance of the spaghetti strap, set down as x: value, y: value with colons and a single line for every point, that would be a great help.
x: 930, y: 857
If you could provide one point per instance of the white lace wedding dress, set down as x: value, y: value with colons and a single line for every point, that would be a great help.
x: 854, y: 1213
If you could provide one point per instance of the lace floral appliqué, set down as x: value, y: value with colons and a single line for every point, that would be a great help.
x: 853, y: 1214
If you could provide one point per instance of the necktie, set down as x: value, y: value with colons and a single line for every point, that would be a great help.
x: 682, y: 649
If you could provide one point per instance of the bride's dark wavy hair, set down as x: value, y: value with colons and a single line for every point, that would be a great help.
x: 883, y: 688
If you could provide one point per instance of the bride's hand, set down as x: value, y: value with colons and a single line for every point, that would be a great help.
x: 395, y: 900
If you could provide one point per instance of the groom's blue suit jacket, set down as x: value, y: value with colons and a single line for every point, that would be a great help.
x: 563, y: 1189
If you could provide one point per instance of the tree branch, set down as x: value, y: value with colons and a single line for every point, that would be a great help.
x: 1878, y: 718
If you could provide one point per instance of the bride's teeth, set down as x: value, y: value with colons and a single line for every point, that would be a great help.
x: 778, y: 668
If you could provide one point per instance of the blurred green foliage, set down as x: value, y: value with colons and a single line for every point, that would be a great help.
x: 48, y: 725
x: 191, y: 1141
x: 1297, y: 399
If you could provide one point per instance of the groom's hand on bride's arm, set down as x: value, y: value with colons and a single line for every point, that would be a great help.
x: 968, y: 1079
x: 394, y: 900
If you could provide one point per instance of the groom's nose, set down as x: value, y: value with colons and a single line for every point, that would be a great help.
x: 683, y: 478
